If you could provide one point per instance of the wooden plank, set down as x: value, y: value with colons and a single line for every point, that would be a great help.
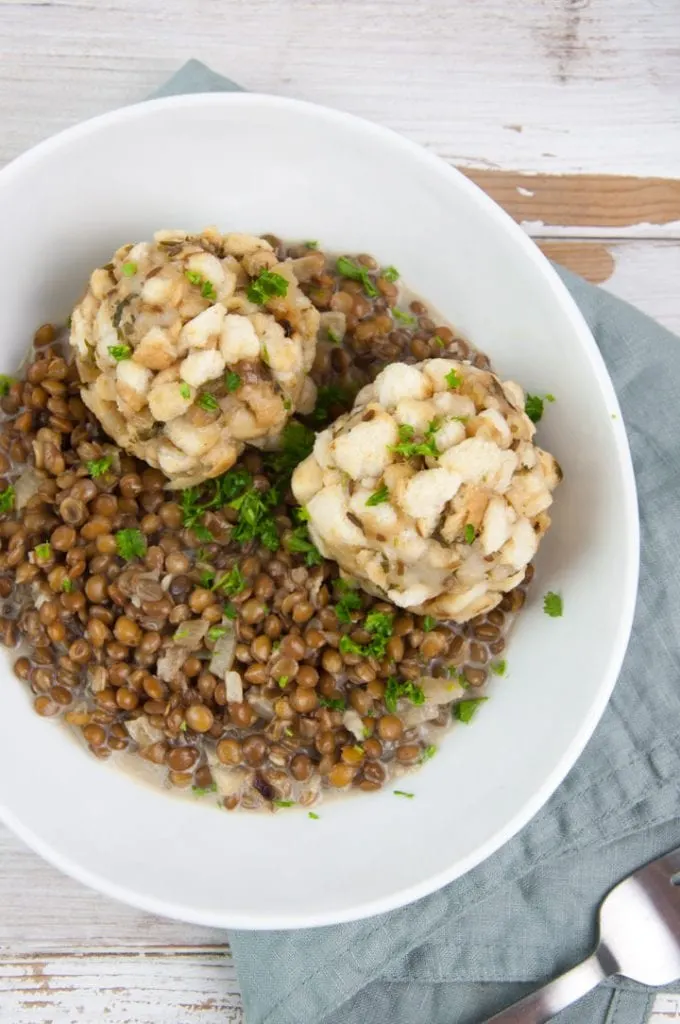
x: 170, y: 987
x: 592, y: 260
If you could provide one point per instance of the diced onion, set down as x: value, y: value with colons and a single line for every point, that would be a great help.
x: 223, y: 653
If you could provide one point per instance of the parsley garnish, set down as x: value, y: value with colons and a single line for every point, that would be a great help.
x: 429, y: 623
x: 67, y: 585
x: 469, y: 533
x: 329, y: 398
x: 379, y: 496
x: 499, y: 668
x: 208, y: 291
x: 332, y: 336
x: 234, y: 489
x: 215, y: 632
x: 120, y: 352
x: 453, y: 379
x: 404, y: 318
x: 428, y: 753
x: 552, y: 605
x: 298, y: 543
x: 98, y: 467
x: 5, y: 384
x: 203, y: 790
x: 183, y: 727
x: 130, y: 544
x: 312, y: 245
x: 349, y: 602
x: 283, y: 803
x: 465, y: 710
x: 231, y: 583
x: 408, y: 447
x: 7, y: 500
x: 439, y: 342
x: 355, y: 272
x: 313, y: 816
x: 43, y: 552
x: 129, y: 269
x: 185, y: 390
x: 193, y: 277
x: 333, y: 704
x: 232, y: 381
x: 229, y: 610
x: 390, y: 274
x: 402, y: 792
x: 379, y: 625
x: 283, y: 681
x: 297, y: 442
x: 207, y: 402
x: 397, y: 688
x: 533, y: 406
x: 267, y: 285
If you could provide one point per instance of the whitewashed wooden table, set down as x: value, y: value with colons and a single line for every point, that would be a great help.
x: 566, y: 111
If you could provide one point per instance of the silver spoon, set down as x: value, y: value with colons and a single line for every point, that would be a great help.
x: 639, y: 939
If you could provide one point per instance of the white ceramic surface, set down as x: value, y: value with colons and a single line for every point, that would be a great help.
x: 258, y: 163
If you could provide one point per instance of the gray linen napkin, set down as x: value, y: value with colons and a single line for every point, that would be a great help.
x: 529, y: 911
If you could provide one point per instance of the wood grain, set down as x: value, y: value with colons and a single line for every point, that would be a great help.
x: 592, y: 260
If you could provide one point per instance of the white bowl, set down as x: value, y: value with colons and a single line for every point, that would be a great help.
x: 258, y: 163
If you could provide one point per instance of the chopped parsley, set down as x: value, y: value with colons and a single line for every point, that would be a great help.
x: 185, y: 390
x: 397, y: 688
x: 230, y: 583
x: 98, y: 467
x: 355, y: 272
x: 298, y: 543
x: 330, y: 398
x: 390, y: 274
x: 402, y: 792
x: 313, y: 244
x: 120, y: 352
x: 193, y: 277
x: 404, y: 318
x: 439, y: 342
x: 208, y: 291
x: 297, y: 442
x: 207, y: 402
x: 552, y: 605
x: 350, y: 601
x: 409, y: 448
x: 283, y: 803
x: 67, y: 585
x: 215, y: 632
x: 232, y: 381
x: 453, y: 379
x: 533, y: 406
x: 233, y: 489
x: 129, y: 269
x: 428, y: 753
x: 333, y: 704
x: 229, y: 611
x: 313, y: 816
x: 469, y: 533
x: 499, y: 668
x: 5, y: 384
x: 130, y: 544
x: 204, y: 790
x: 283, y: 681
x: 43, y: 552
x: 429, y: 623
x: 183, y: 727
x: 7, y: 499
x: 267, y: 285
x: 465, y: 710
x: 380, y: 496
x: 206, y: 286
x: 332, y: 336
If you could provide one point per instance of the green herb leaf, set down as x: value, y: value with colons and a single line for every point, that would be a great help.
x: 232, y: 381
x: 267, y: 285
x: 98, y: 467
x: 409, y: 448
x: 208, y: 291
x: 404, y: 318
x: 401, y: 792
x: 499, y: 668
x: 331, y: 400
x: 5, y: 384
x: 67, y: 585
x: 283, y: 803
x: 332, y: 336
x: 231, y: 583
x: 439, y: 342
x: 193, y: 277
x: 43, y: 552
x: 465, y: 710
x: 185, y: 390
x: 207, y: 402
x: 204, y: 790
x: 453, y: 379
x: 550, y: 398
x: 333, y: 703
x: 215, y: 632
x: 429, y: 623
x: 398, y: 688
x: 7, y: 500
x: 183, y: 727
x: 229, y: 610
x: 350, y: 601
x: 355, y: 272
x: 298, y: 543
x: 469, y: 533
x: 120, y: 352
x: 313, y: 816
x: 283, y: 681
x: 428, y: 753
x: 312, y: 245
x: 297, y: 442
x: 380, y: 496
x: 533, y: 407
x: 130, y: 544
x: 552, y: 605
x: 129, y: 269
x: 390, y: 274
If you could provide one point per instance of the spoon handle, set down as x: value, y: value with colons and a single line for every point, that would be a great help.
x: 542, y: 1005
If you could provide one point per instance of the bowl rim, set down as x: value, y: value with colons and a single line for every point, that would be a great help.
x: 629, y: 511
